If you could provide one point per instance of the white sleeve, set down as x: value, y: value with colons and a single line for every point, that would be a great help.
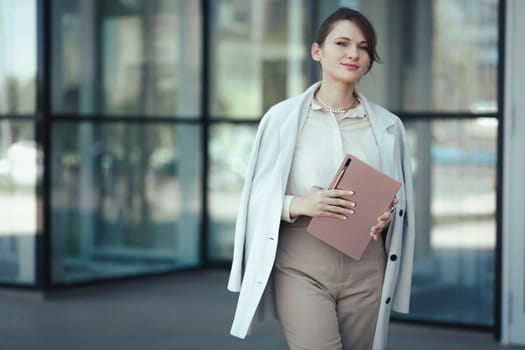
x: 285, y: 213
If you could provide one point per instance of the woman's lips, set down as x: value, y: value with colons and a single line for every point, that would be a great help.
x: 351, y: 66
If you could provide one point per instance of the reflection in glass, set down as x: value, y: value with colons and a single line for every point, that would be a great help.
x: 125, y: 199
x: 259, y: 54
x: 17, y: 56
x: 437, y: 55
x: 229, y: 149
x: 127, y: 57
x: 455, y: 188
x: 19, y: 173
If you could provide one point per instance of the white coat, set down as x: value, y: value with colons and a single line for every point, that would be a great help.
x: 259, y: 215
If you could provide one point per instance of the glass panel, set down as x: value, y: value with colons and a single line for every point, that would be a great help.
x: 19, y: 173
x: 125, y: 199
x: 439, y: 55
x: 229, y: 149
x: 17, y: 56
x: 259, y: 53
x: 455, y: 189
x: 471, y: 28
x: 127, y: 57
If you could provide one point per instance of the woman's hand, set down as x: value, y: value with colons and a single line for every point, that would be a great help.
x: 328, y: 203
x: 382, y: 221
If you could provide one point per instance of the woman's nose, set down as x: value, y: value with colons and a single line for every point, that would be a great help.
x: 352, y: 52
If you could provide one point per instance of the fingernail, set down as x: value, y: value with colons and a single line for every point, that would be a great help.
x: 350, y: 192
x: 351, y: 211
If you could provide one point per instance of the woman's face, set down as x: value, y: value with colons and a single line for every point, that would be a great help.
x: 343, y: 56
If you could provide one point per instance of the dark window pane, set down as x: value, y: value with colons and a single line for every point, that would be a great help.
x: 125, y: 199
x: 259, y: 52
x: 127, y: 58
x: 19, y: 172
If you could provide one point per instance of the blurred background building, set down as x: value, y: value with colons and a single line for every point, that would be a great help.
x: 125, y: 128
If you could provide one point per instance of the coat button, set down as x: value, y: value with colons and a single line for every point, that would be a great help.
x: 401, y: 212
x: 388, y: 300
x: 393, y: 257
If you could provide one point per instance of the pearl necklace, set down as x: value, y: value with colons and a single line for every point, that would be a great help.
x: 329, y: 108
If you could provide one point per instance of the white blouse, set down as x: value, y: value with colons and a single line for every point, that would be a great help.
x: 324, y: 141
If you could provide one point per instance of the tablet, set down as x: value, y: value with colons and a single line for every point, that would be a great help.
x: 373, y: 195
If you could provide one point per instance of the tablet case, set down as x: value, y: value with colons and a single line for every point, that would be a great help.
x: 373, y: 195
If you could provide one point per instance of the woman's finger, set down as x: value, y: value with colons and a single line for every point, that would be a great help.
x: 340, y: 202
x: 384, y: 217
x: 338, y: 193
x: 332, y: 214
x: 337, y: 209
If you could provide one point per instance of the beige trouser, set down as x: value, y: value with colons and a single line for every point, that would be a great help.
x: 324, y: 299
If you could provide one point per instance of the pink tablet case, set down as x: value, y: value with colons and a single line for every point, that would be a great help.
x: 373, y: 195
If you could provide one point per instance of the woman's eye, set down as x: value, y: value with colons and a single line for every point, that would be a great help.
x: 363, y: 47
x: 341, y: 43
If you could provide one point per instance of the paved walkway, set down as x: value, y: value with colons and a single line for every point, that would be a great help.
x: 190, y: 310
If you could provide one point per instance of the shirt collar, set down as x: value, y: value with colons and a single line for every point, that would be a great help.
x: 356, y: 112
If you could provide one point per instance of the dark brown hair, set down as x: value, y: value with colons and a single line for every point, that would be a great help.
x: 347, y: 14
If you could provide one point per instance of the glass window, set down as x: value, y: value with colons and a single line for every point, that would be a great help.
x: 127, y: 57
x: 442, y: 56
x: 125, y: 199
x: 229, y: 150
x: 19, y: 172
x: 437, y: 55
x: 259, y: 55
x: 17, y: 56
x: 455, y: 186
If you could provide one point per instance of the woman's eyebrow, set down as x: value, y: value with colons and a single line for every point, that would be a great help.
x: 348, y: 39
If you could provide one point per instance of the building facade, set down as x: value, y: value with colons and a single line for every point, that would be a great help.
x: 125, y: 128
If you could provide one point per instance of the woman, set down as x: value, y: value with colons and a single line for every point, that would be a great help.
x: 322, y: 298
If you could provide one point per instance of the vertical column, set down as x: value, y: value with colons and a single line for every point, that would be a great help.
x: 205, y: 81
x: 513, y: 245
x: 43, y: 138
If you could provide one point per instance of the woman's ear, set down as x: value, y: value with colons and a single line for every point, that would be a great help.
x: 316, y: 52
